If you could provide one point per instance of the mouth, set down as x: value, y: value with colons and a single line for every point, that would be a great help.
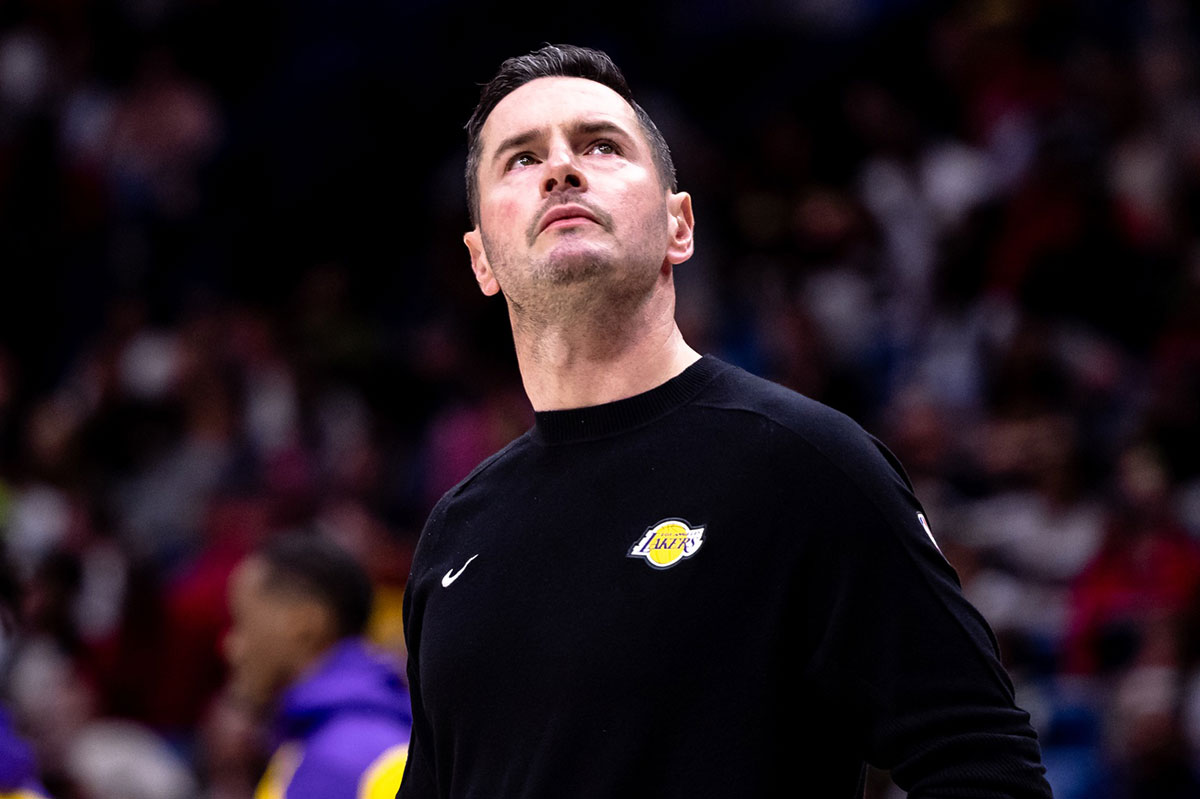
x: 566, y: 216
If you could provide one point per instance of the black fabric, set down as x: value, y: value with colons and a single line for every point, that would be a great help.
x: 814, y: 629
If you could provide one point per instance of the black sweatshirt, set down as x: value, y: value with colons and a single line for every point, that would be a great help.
x: 718, y: 588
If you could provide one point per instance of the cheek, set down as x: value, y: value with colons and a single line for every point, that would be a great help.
x: 634, y: 196
x: 503, y: 215
x: 254, y: 643
x: 511, y: 201
x: 647, y: 219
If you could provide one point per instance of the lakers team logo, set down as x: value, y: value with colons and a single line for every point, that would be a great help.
x: 667, y: 543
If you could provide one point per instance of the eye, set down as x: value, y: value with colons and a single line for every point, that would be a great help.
x: 520, y: 159
x: 603, y: 147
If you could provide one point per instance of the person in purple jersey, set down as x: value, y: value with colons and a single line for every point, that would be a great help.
x: 18, y: 769
x: 341, y: 714
x: 18, y: 774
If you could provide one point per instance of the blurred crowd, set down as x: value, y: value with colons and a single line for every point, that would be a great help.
x: 235, y: 304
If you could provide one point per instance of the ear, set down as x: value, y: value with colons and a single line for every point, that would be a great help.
x: 681, y: 227
x: 479, y: 262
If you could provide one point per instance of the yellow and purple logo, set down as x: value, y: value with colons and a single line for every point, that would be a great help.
x: 668, y: 542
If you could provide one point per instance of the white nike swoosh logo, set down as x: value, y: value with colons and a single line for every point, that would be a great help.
x: 451, y: 575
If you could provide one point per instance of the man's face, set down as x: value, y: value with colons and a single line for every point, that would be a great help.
x: 266, y: 639
x: 569, y: 195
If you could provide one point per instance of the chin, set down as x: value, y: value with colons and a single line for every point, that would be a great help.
x: 251, y: 697
x: 577, y: 267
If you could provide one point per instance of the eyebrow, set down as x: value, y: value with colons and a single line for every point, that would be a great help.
x: 517, y: 140
x: 600, y: 126
x: 586, y: 128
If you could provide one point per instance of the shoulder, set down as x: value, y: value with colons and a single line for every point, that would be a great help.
x: 823, y: 466
x: 790, y: 422
x: 356, y: 739
x: 480, y: 475
x: 735, y: 389
x: 347, y: 755
x: 512, y: 451
x: 849, y: 480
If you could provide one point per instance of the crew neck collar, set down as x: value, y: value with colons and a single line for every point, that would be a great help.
x: 611, y: 418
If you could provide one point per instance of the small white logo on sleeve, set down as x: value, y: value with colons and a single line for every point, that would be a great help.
x: 452, y: 575
x: 928, y: 532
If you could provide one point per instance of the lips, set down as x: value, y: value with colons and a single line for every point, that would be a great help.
x: 566, y: 212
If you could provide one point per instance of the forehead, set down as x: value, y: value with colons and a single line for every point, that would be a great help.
x: 552, y: 102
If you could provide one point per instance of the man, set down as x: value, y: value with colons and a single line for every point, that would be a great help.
x: 683, y: 581
x: 299, y: 607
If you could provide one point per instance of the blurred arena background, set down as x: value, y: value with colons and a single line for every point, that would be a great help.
x: 234, y: 301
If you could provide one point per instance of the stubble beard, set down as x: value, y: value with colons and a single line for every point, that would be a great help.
x: 584, y: 288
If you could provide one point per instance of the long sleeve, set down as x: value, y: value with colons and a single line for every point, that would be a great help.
x: 901, y: 649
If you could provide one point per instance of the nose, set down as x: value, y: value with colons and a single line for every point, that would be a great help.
x: 563, y: 172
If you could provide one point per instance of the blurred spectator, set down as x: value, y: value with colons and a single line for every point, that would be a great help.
x: 234, y: 303
x: 18, y: 773
x: 1134, y: 594
x: 18, y: 770
x: 122, y: 760
x: 1034, y: 537
x: 341, y: 715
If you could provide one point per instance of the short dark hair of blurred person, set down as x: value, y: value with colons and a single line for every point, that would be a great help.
x: 18, y: 771
x: 341, y: 716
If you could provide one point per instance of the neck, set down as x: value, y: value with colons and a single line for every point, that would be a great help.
x: 600, y: 353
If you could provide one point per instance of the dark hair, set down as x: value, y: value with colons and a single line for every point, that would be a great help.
x: 557, y: 61
x: 315, y: 567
